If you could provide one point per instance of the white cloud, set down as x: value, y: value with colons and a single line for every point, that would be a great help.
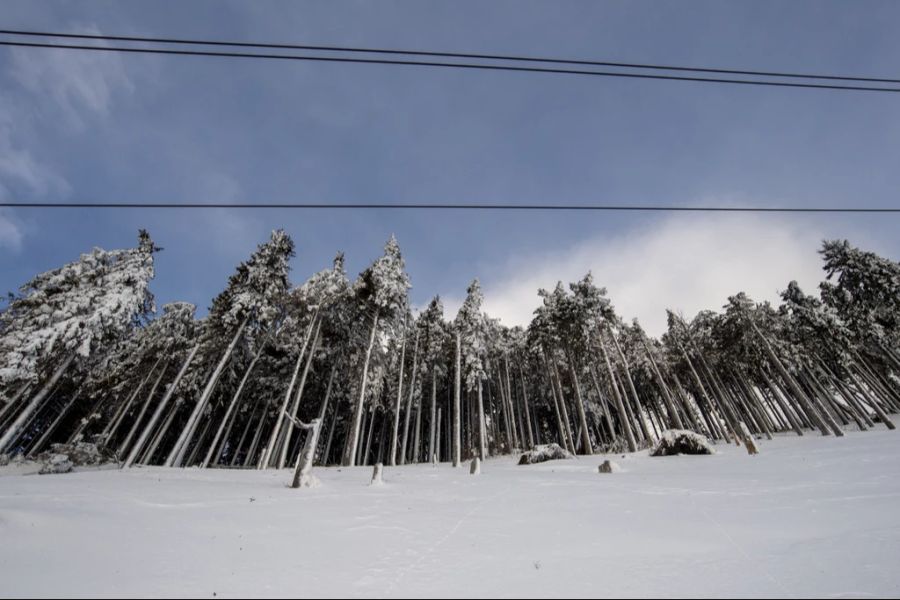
x: 73, y: 84
x: 688, y: 263
x: 10, y: 232
x: 18, y: 168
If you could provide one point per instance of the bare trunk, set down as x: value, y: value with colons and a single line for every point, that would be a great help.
x: 482, y: 434
x: 140, y: 417
x: 110, y: 430
x: 674, y: 417
x: 230, y: 411
x: 620, y: 406
x: 159, y: 409
x: 564, y: 413
x: 795, y: 388
x: 526, y: 410
x: 456, y: 404
x: 396, y: 429
x: 176, y: 457
x: 579, y: 401
x: 279, y: 420
x: 303, y: 476
x: 295, y: 406
x: 412, y: 389
x: 432, y: 425
x: 9, y: 436
x: 353, y: 442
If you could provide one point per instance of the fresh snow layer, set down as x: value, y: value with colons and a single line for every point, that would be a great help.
x: 808, y: 516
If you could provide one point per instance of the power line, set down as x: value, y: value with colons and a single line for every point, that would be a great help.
x: 451, y: 65
x: 447, y: 206
x: 464, y: 55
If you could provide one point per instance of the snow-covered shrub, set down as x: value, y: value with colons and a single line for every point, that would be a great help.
x: 609, y: 466
x: 680, y: 441
x: 544, y: 453
x: 4, y: 460
x: 616, y: 446
x: 56, y: 463
x: 79, y: 453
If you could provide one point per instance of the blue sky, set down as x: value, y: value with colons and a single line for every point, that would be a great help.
x: 97, y: 127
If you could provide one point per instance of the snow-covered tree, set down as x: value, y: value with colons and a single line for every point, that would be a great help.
x: 63, y: 318
x: 381, y: 297
x: 252, y: 301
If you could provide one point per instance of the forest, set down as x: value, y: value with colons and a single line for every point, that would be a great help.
x: 341, y: 371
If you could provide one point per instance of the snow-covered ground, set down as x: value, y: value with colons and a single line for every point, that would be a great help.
x: 808, y: 516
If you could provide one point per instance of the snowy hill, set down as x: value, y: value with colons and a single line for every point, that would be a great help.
x: 808, y: 516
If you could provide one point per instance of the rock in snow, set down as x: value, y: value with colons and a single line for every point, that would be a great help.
x: 609, y: 466
x: 544, y: 453
x: 56, y: 463
x: 680, y: 441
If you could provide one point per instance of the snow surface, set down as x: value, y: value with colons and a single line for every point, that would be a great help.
x: 808, y: 516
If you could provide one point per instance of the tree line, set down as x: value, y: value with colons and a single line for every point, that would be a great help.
x: 345, y: 372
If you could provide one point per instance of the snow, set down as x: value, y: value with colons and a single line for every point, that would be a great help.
x: 543, y: 453
x: 808, y: 516
x: 681, y: 441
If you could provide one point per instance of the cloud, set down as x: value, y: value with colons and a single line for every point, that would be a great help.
x: 688, y: 263
x: 10, y: 232
x: 76, y: 85
x: 19, y: 169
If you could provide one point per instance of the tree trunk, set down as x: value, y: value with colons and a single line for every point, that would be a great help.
x: 353, y: 442
x: 396, y: 430
x: 564, y: 413
x: 432, y: 425
x: 56, y: 422
x: 295, y: 407
x: 368, y: 447
x: 140, y: 417
x: 482, y: 434
x: 667, y: 395
x: 882, y: 416
x: 231, y: 406
x: 303, y: 476
x: 639, y: 415
x: 159, y: 409
x: 110, y: 430
x: 13, y: 430
x: 457, y: 441
x: 526, y: 410
x: 801, y: 395
x: 601, y: 400
x: 412, y: 390
x: 620, y: 406
x: 280, y: 418
x: 176, y: 457
x: 579, y: 401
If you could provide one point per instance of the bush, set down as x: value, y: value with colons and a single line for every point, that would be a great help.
x: 56, y: 463
x: 544, y: 453
x: 80, y: 453
x: 679, y: 441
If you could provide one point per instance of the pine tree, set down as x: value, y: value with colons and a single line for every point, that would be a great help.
x: 253, y: 300
x: 381, y: 295
x: 66, y: 317
x: 472, y: 327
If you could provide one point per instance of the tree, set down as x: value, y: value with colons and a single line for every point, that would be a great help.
x: 66, y: 316
x: 472, y: 328
x: 253, y: 300
x: 381, y: 298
